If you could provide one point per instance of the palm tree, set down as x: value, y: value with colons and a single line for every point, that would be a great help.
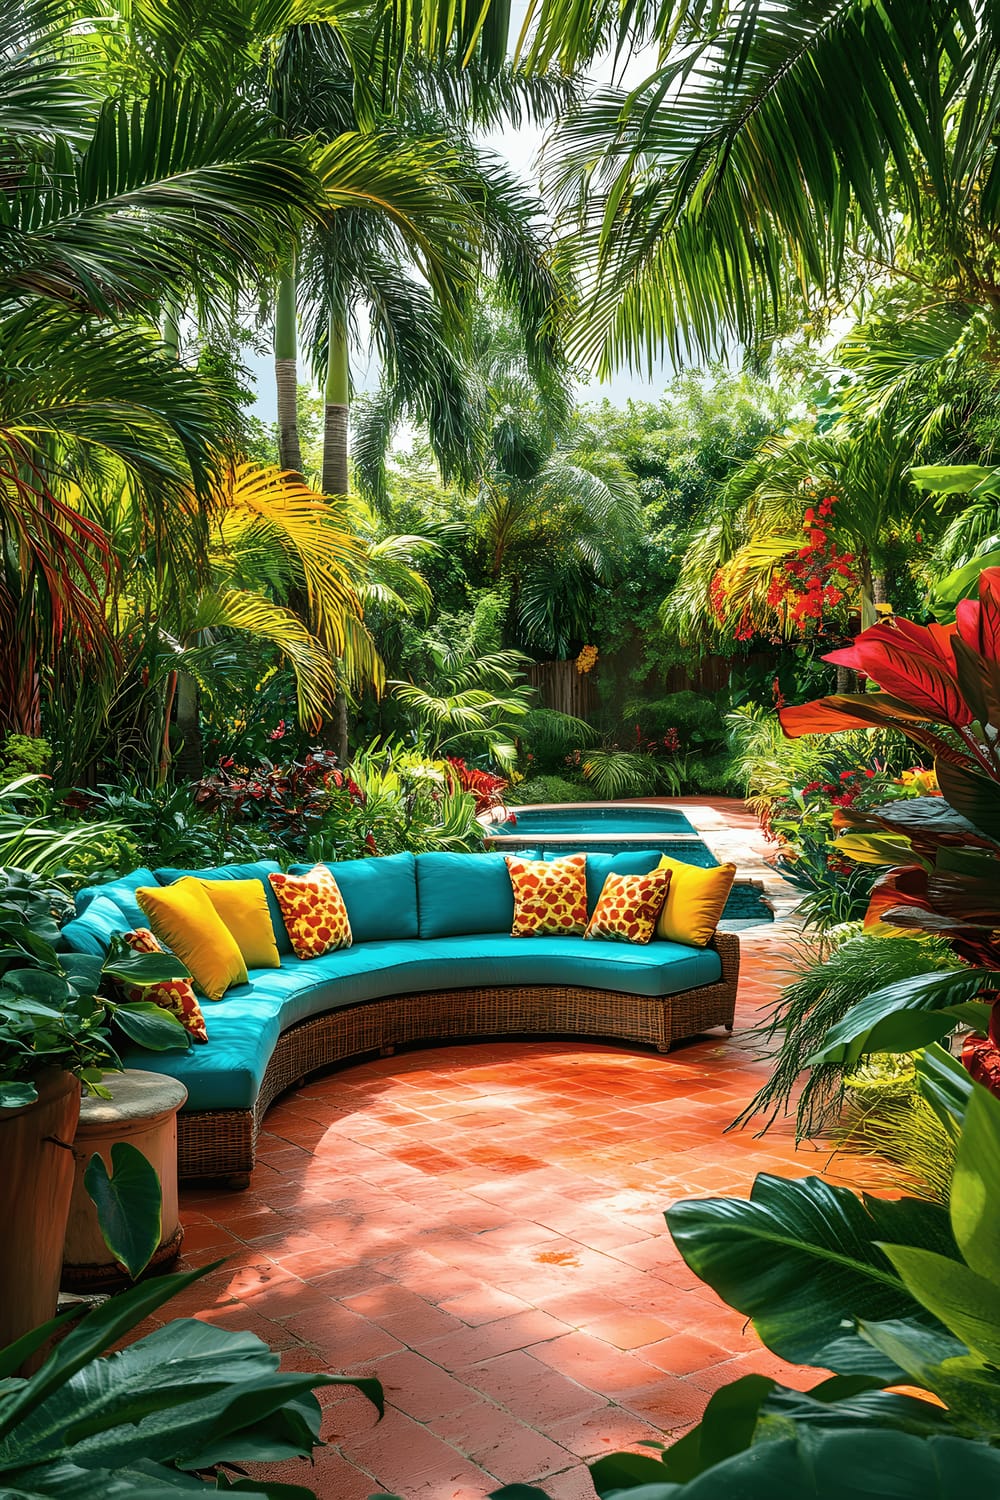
x: 769, y: 147
x: 179, y: 630
x: 106, y: 209
x: 551, y: 521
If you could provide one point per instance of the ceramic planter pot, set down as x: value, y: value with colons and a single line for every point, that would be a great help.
x: 36, y: 1181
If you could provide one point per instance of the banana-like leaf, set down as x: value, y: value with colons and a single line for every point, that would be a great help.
x: 874, y: 848
x: 904, y: 1016
x: 975, y: 1193
x: 801, y: 1259
x: 975, y: 796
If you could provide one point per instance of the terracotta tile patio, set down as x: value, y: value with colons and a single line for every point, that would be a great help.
x: 482, y: 1228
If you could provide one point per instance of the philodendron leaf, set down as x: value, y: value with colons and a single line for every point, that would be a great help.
x: 95, y: 1332
x: 17, y: 1095
x: 847, y: 1465
x: 146, y: 968
x: 967, y: 1304
x: 975, y: 1188
x: 880, y: 1021
x: 152, y: 1027
x: 128, y: 1203
x: 802, y: 1260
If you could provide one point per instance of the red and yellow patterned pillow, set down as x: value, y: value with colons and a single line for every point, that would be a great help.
x: 628, y: 907
x: 174, y: 995
x: 313, y: 912
x: 550, y: 896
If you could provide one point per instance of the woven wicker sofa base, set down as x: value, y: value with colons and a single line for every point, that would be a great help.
x: 222, y: 1143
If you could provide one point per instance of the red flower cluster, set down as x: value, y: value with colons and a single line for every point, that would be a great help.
x: 487, y: 789
x: 843, y: 795
x: 812, y: 579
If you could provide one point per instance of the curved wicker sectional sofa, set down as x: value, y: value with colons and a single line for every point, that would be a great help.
x: 432, y: 960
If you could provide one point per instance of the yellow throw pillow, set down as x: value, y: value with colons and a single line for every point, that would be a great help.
x: 550, y: 896
x: 628, y: 907
x: 313, y: 911
x: 243, y: 907
x: 186, y: 922
x: 695, y: 901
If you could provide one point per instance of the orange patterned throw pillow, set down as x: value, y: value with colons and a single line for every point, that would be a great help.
x: 628, y: 907
x: 550, y: 896
x: 313, y: 912
x: 174, y: 995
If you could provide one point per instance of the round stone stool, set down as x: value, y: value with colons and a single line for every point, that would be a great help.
x: 142, y: 1111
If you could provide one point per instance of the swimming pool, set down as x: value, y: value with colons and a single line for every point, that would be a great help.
x: 545, y: 832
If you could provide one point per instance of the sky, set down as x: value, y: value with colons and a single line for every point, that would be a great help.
x: 520, y: 148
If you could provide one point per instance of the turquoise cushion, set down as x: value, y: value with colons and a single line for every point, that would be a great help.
x: 380, y: 895
x: 92, y: 931
x: 242, y: 1029
x: 122, y: 893
x: 600, y: 866
x: 459, y: 893
x: 258, y: 870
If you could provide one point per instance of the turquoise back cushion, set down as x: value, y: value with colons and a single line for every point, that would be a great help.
x: 259, y: 870
x: 600, y: 866
x: 120, y: 893
x: 380, y: 895
x: 463, y: 893
x: 92, y: 930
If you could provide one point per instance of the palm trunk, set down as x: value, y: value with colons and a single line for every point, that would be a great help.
x: 189, y: 760
x: 170, y: 325
x: 336, y: 410
x: 868, y: 612
x: 286, y: 373
x: 336, y: 479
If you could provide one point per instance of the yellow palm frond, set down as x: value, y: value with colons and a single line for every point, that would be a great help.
x: 315, y: 670
x: 269, y: 506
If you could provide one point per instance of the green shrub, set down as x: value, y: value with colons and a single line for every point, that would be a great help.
x: 549, y: 789
x: 24, y: 755
x: 829, y: 981
x: 696, y: 717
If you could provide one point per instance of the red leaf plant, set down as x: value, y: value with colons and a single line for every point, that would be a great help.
x: 940, y: 686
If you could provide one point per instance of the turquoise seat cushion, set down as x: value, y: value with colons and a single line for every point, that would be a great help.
x: 93, y: 929
x: 258, y: 870
x: 600, y: 866
x: 122, y: 893
x: 461, y: 893
x: 226, y: 1073
x: 380, y: 895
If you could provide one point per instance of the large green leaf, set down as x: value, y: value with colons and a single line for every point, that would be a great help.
x: 903, y: 1016
x: 840, y: 1466
x: 151, y: 1026
x: 967, y: 1384
x: 128, y: 1203
x: 146, y: 968
x: 802, y: 1260
x: 101, y: 1327
x: 975, y: 1192
x: 967, y: 1304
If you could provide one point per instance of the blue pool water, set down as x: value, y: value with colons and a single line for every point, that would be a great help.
x: 617, y: 828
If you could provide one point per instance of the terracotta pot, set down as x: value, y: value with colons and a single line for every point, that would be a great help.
x: 36, y: 1182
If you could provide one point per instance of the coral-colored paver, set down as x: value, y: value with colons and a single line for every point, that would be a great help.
x: 482, y: 1228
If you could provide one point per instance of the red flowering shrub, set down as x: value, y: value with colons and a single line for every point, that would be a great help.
x: 288, y: 799
x: 811, y: 581
x: 487, y: 789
